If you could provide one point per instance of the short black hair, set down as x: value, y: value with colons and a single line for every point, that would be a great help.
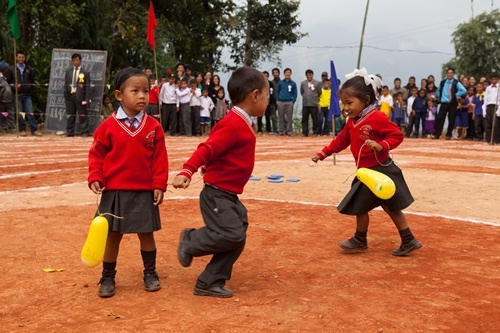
x: 397, y: 79
x: 76, y: 55
x: 494, y: 74
x: 357, y: 87
x: 309, y: 71
x: 450, y: 69
x: 288, y: 69
x: 385, y: 87
x: 125, y: 74
x: 265, y: 72
x: 275, y: 69
x: 180, y: 64
x: 192, y: 81
x: 243, y: 81
x: 20, y: 52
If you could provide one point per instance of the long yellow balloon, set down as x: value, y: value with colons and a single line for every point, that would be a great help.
x: 381, y: 185
x: 93, y: 249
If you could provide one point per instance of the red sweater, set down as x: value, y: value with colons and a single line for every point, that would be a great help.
x: 121, y: 159
x: 228, y: 155
x: 153, y: 95
x: 375, y: 126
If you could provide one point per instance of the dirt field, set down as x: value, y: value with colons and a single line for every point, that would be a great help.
x: 292, y: 276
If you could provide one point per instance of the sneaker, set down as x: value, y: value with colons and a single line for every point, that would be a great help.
x: 22, y: 133
x: 107, y: 288
x: 37, y: 133
x: 404, y: 249
x: 151, y: 281
x: 352, y: 245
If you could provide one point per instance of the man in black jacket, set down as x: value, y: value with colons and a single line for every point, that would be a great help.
x: 76, y: 93
x: 24, y: 76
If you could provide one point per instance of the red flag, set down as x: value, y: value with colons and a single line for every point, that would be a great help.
x: 150, y: 36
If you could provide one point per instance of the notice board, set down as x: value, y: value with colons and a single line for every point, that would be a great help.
x: 94, y: 62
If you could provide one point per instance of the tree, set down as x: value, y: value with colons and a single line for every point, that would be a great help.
x: 259, y: 31
x: 476, y: 45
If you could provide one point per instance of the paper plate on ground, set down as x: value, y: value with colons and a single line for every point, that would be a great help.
x: 273, y: 177
x: 277, y: 175
x: 254, y: 178
x: 275, y: 180
x: 293, y: 180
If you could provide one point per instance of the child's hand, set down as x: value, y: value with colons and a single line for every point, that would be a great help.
x: 181, y: 181
x: 96, y: 188
x: 373, y: 145
x: 315, y: 158
x: 158, y: 197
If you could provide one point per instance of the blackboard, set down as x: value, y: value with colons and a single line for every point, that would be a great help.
x: 94, y: 62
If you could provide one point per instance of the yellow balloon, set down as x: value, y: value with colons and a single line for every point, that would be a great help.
x: 93, y: 249
x: 381, y: 185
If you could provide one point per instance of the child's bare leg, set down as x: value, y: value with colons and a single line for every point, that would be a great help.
x: 112, y: 246
x: 408, y: 242
x: 147, y: 240
x: 148, y: 253
x: 362, y: 222
x: 358, y: 242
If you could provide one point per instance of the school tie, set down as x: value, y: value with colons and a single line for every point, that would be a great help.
x: 449, y: 90
x: 131, y: 121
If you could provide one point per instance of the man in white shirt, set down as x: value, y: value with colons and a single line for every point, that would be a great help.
x: 491, y: 111
x: 168, y: 99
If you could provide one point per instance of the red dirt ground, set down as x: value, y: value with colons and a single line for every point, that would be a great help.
x: 292, y: 276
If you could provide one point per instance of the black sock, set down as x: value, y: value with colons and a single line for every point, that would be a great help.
x: 109, y: 269
x: 406, y: 236
x: 149, y: 260
x: 360, y: 235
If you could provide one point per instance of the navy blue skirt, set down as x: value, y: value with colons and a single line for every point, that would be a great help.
x: 136, y: 207
x: 360, y: 199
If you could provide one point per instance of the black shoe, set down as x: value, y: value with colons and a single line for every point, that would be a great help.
x: 107, y: 288
x: 184, y: 257
x: 151, y: 281
x: 216, y: 291
x: 404, y: 249
x: 448, y: 138
x: 352, y: 245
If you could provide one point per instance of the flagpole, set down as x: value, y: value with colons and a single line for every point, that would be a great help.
x: 15, y: 84
x: 158, y: 81
x: 363, y: 33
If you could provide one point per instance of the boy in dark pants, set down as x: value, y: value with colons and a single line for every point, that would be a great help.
x: 227, y: 161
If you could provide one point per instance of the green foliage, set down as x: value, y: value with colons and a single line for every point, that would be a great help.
x: 267, y: 27
x: 476, y: 45
x: 192, y: 31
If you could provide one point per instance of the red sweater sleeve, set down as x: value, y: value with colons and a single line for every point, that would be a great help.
x: 160, y: 162
x: 339, y: 143
x: 98, y: 150
x: 219, y: 141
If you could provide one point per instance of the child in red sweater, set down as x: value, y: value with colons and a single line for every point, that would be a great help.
x: 128, y: 165
x: 227, y: 160
x: 371, y: 135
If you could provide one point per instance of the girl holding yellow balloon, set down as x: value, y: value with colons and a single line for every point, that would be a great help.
x: 379, y: 181
x: 128, y: 165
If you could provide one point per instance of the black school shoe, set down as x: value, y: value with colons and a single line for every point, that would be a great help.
x: 215, y: 291
x: 404, y: 249
x: 151, y: 281
x: 352, y: 245
x: 184, y: 257
x: 107, y: 288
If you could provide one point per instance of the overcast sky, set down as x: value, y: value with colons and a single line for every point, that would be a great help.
x: 334, y: 28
